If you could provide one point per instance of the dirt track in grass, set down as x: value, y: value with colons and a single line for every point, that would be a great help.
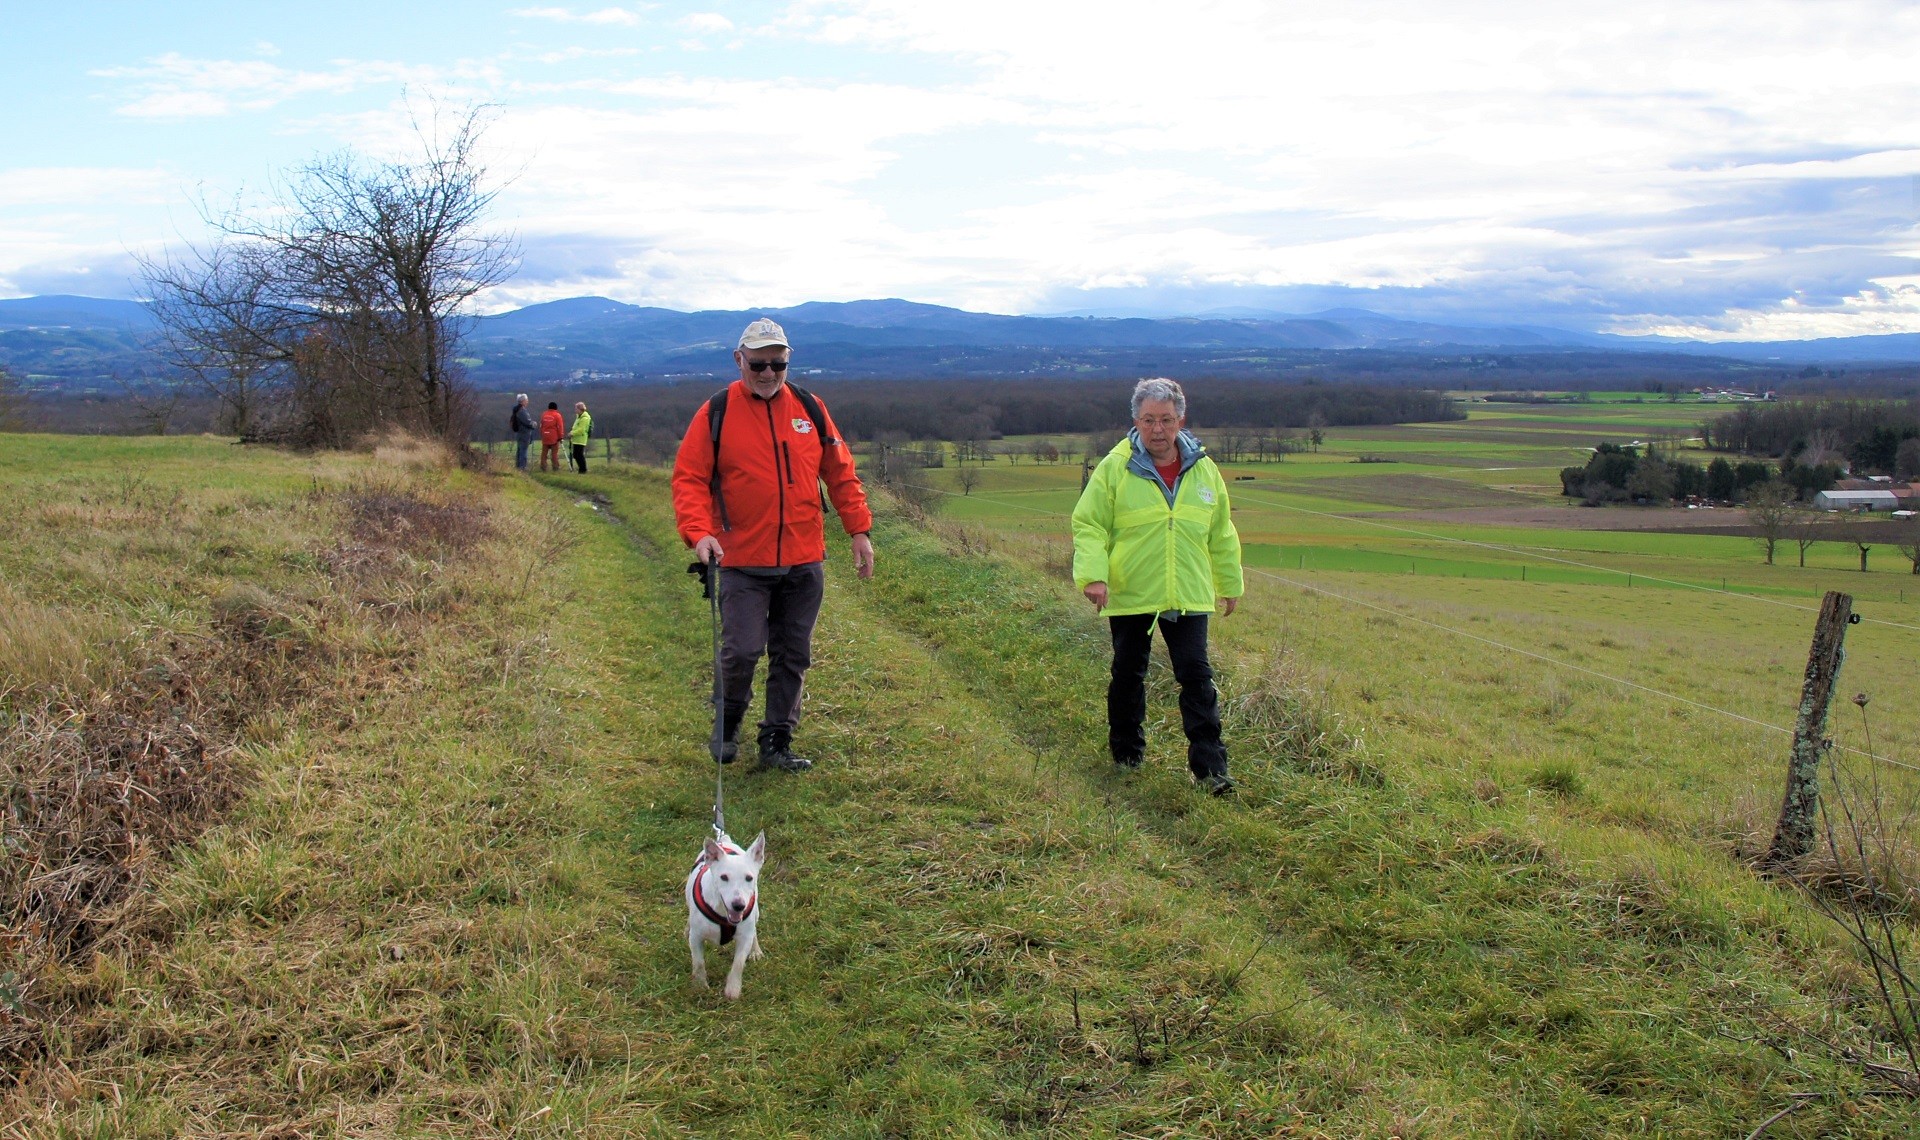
x: 1722, y: 520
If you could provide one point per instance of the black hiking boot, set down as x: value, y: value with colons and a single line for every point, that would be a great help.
x: 1128, y: 762
x: 1217, y: 784
x: 730, y: 738
x: 776, y: 751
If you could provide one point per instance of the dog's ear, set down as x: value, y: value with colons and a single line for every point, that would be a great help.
x: 758, y: 852
x: 715, y: 852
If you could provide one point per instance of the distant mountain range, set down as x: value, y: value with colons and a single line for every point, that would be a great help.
x: 80, y: 342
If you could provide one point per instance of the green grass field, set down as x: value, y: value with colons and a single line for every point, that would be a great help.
x: 1464, y: 892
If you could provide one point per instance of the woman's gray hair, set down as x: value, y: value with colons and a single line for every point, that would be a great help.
x: 1159, y: 388
x: 521, y: 398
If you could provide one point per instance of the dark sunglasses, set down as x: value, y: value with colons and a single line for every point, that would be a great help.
x: 778, y: 366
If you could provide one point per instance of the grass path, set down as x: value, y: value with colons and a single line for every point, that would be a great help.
x: 457, y: 911
x: 952, y: 714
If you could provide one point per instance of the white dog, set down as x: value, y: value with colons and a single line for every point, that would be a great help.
x: 723, y: 895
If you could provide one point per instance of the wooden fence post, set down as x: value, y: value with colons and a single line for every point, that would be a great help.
x: 1793, y: 835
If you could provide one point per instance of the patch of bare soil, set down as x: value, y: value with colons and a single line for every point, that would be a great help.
x: 1417, y: 492
x: 1673, y: 520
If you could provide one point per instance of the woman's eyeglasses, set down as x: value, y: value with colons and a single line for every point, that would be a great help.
x: 778, y: 366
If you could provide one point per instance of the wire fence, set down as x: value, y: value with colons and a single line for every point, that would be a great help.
x: 605, y: 449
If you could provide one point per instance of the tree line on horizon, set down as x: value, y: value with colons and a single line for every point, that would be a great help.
x: 1866, y: 436
x: 1240, y: 416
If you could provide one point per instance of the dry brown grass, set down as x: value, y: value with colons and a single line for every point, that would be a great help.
x: 40, y: 648
x: 1276, y: 710
x: 1877, y: 868
x: 395, y: 449
x: 405, y: 519
x: 113, y: 757
x: 98, y: 790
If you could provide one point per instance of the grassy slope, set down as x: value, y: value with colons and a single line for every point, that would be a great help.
x: 459, y: 913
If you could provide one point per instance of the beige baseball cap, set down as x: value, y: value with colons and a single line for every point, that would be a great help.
x: 762, y: 333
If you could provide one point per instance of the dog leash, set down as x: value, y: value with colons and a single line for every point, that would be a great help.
x: 719, y: 702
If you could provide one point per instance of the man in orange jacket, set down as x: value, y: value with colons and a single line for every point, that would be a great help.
x: 761, y: 516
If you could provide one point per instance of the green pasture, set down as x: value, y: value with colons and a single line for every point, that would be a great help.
x: 1321, y: 522
x: 1472, y: 885
x: 1502, y: 455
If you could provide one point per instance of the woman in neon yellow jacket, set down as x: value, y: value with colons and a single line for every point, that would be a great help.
x: 1154, y: 544
x: 577, y: 435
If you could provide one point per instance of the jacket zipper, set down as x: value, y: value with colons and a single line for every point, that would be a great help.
x: 786, y: 456
x: 773, y: 435
x: 1172, y: 581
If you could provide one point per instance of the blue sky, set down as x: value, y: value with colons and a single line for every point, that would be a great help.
x: 1711, y: 169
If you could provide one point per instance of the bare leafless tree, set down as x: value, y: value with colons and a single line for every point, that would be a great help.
x: 1906, y: 539
x: 1809, y: 527
x: 968, y: 478
x: 1823, y: 446
x: 224, y: 328
x: 1769, y: 509
x: 339, y: 309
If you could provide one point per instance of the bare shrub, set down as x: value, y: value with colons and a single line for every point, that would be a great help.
x: 1864, y: 876
x: 916, y: 500
x: 406, y: 520
x: 407, y: 451
x: 339, y: 307
x: 961, y: 539
x: 97, y: 791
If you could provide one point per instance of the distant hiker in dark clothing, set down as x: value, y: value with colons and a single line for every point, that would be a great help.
x: 582, y: 427
x: 553, y: 426
x: 746, y: 491
x: 524, y: 429
x: 1154, y: 545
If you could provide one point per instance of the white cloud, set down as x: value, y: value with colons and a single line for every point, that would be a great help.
x: 72, y: 186
x: 621, y: 16
x: 1633, y: 163
x: 176, y: 86
x: 1887, y: 305
x: 1466, y: 142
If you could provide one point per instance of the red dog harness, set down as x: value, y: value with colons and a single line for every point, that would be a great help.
x: 727, y: 927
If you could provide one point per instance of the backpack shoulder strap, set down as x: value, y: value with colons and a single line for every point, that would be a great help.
x: 716, y: 414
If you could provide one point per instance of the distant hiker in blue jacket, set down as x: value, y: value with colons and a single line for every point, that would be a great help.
x: 524, y: 429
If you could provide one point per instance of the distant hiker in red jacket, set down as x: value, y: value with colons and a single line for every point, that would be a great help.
x: 553, y: 427
x: 761, y: 516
